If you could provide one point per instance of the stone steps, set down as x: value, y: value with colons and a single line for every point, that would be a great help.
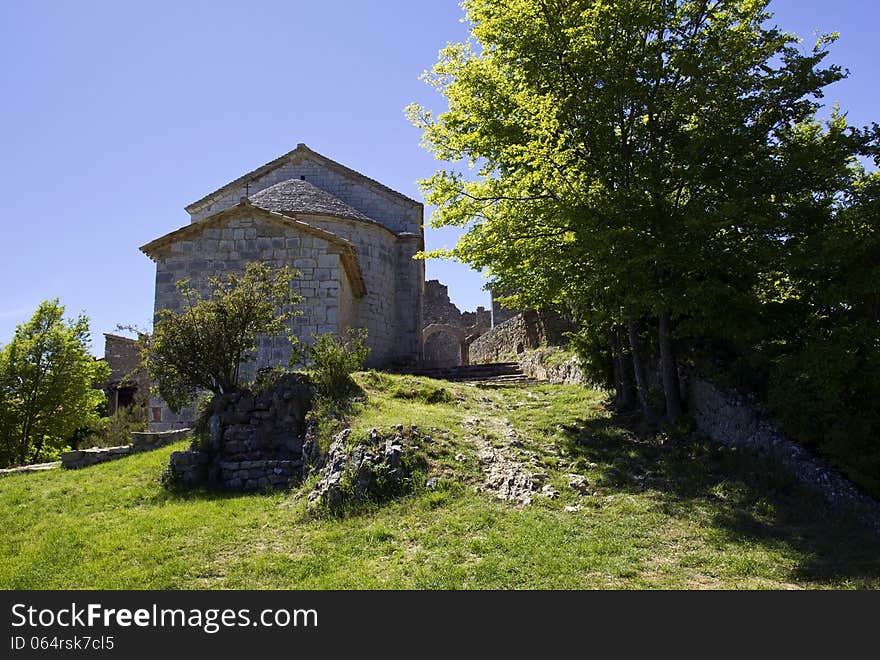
x: 497, y: 372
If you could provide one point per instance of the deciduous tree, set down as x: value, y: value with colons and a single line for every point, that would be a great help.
x: 204, y: 346
x: 622, y: 157
x: 47, y: 384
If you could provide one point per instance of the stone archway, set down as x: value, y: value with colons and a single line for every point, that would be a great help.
x: 461, y: 335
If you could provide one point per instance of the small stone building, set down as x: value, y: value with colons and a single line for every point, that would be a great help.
x: 127, y: 377
x: 352, y: 239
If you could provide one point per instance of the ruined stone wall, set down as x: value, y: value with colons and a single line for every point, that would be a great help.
x: 730, y: 419
x: 527, y: 330
x: 552, y: 365
x: 437, y: 307
x: 443, y: 349
x: 500, y: 313
x: 254, y: 441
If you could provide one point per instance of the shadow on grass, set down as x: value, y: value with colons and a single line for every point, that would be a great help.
x: 747, y: 498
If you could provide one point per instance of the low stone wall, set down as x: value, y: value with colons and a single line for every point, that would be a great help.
x: 140, y: 442
x: 528, y: 330
x: 148, y: 441
x: 80, y: 458
x: 34, y: 467
x: 730, y: 419
x: 543, y: 364
x: 253, y: 441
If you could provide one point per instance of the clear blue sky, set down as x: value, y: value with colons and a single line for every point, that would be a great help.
x: 115, y: 115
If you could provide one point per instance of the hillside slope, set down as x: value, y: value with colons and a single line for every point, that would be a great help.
x: 609, y: 510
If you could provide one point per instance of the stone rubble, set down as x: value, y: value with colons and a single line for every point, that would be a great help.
x: 349, y: 472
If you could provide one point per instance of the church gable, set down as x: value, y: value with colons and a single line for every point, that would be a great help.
x: 367, y: 196
x: 229, y: 240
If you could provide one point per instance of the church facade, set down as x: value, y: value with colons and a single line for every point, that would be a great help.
x: 351, y: 238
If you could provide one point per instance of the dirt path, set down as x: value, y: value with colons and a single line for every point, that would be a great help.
x: 509, y: 469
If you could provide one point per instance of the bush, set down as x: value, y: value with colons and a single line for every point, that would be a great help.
x: 333, y: 360
x: 116, y: 430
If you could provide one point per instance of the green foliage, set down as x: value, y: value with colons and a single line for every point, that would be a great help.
x: 116, y: 430
x: 204, y: 346
x: 410, y: 388
x: 47, y: 381
x: 660, y: 163
x: 332, y: 361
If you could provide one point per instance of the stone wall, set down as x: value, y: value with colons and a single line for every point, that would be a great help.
x: 253, y: 441
x: 500, y: 313
x: 140, y: 442
x: 377, y: 250
x: 444, y: 349
x: 123, y: 357
x: 247, y: 236
x: 527, y: 330
x: 733, y: 420
x: 547, y: 364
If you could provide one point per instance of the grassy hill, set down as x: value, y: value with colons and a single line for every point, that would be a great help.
x: 658, y: 513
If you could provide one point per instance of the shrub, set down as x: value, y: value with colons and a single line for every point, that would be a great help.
x: 333, y: 360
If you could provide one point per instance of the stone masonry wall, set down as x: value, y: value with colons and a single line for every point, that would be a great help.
x: 527, y: 330
x: 544, y: 364
x: 443, y: 349
x: 731, y: 419
x: 228, y: 247
x: 253, y: 441
x: 377, y: 252
x: 123, y: 357
x: 394, y: 299
x: 140, y: 442
x: 500, y: 313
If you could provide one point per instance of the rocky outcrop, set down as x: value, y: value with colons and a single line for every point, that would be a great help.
x: 374, y: 467
x: 251, y: 441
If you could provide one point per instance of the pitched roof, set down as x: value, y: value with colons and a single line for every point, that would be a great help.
x: 292, y: 156
x: 296, y: 196
x: 344, y: 248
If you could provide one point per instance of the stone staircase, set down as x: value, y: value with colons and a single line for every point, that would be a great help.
x: 497, y: 372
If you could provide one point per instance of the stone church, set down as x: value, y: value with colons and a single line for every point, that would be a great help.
x: 352, y: 238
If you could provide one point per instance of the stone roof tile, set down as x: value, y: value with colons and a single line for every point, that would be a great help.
x: 298, y: 196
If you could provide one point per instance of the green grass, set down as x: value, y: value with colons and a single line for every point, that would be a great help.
x: 662, y: 513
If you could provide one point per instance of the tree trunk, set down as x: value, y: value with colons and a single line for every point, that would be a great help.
x: 669, y: 370
x: 639, y: 371
x: 24, y: 442
x: 38, y: 448
x: 624, y: 399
